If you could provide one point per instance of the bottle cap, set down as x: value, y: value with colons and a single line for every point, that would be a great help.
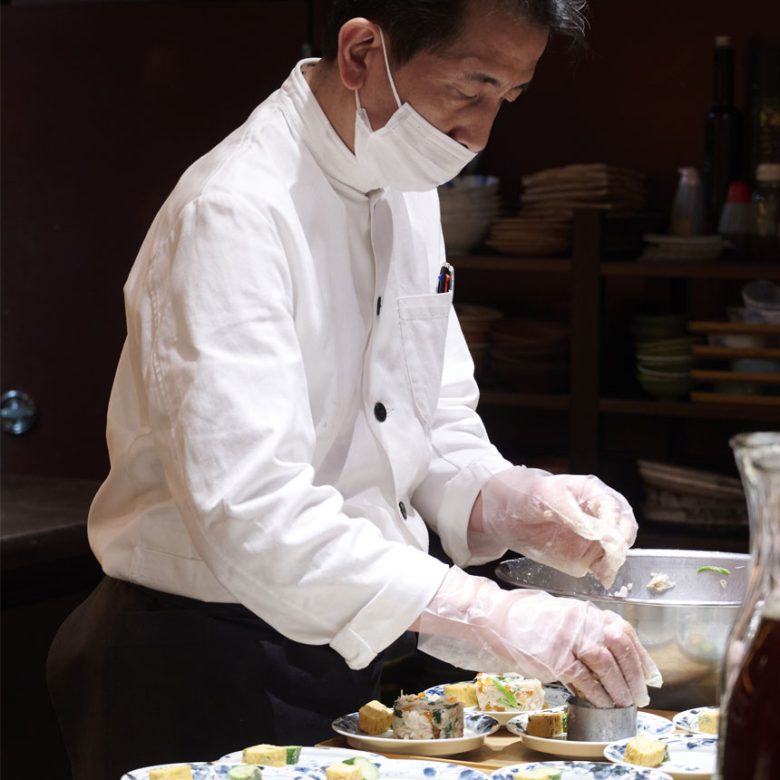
x: 739, y: 192
x: 768, y: 172
x: 689, y: 176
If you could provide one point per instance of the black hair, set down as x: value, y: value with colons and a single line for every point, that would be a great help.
x: 417, y: 25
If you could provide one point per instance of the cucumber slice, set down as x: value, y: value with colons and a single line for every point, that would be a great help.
x: 244, y: 772
x: 293, y: 753
x: 370, y: 771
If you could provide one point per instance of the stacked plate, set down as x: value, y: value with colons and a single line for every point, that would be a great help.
x: 688, y: 249
x: 663, y: 354
x: 555, y: 193
x: 468, y: 205
x: 531, y: 355
x: 477, y: 323
x: 685, y: 496
x: 526, y: 236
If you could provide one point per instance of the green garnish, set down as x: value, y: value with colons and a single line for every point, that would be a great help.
x: 715, y: 569
x: 508, y: 698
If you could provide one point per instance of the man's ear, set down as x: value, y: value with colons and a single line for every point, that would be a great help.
x: 359, y: 42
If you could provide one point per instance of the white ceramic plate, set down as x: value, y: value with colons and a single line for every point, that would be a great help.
x: 475, y: 728
x: 310, y: 756
x: 690, y: 758
x: 646, y: 724
x: 583, y: 770
x: 217, y: 770
x: 554, y: 696
x: 390, y: 769
x: 689, y: 721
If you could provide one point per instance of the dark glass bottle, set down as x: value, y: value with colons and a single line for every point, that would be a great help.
x: 723, y: 134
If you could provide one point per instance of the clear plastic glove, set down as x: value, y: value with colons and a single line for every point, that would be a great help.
x: 573, y: 523
x: 473, y: 624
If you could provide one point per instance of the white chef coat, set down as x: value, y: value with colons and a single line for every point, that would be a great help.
x: 293, y: 402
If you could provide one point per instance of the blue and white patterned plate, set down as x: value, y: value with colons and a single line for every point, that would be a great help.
x: 646, y: 724
x: 310, y: 756
x: 584, y: 770
x: 475, y: 728
x: 389, y: 769
x: 555, y: 695
x: 690, y: 758
x: 688, y: 720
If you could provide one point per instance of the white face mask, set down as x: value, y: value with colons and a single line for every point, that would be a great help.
x: 408, y: 153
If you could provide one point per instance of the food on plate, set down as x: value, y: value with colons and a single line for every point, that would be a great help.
x: 343, y: 771
x: 546, y: 724
x: 503, y: 692
x: 179, y: 772
x: 374, y: 718
x: 715, y: 569
x: 540, y: 773
x: 646, y: 751
x: 659, y: 582
x: 709, y: 720
x: 416, y: 717
x: 465, y: 692
x: 244, y: 772
x: 272, y: 755
x: 368, y: 770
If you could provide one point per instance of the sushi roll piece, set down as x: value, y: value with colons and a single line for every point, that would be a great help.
x: 546, y: 724
x: 343, y: 772
x: 180, y: 772
x: 267, y: 755
x: 415, y: 717
x: 540, y: 773
x: 709, y: 720
x: 508, y: 692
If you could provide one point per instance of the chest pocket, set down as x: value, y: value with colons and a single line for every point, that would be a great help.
x: 423, y: 323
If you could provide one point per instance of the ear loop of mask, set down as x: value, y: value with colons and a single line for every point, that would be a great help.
x: 389, y: 78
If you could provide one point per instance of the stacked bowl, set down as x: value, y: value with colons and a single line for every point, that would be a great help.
x: 531, y: 356
x: 663, y: 354
x: 468, y: 205
x: 762, y: 301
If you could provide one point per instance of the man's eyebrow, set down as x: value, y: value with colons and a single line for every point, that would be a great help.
x: 484, y: 78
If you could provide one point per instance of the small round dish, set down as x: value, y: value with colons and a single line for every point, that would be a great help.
x: 554, y: 696
x: 583, y: 770
x: 688, y: 720
x: 646, y: 724
x: 475, y: 728
x: 690, y: 757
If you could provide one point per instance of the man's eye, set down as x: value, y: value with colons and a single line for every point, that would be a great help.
x: 464, y: 95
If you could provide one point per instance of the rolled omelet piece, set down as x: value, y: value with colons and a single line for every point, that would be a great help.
x: 709, y: 720
x: 540, y: 773
x: 374, y: 718
x: 546, y: 724
x: 179, y: 772
x: 343, y: 772
x: 267, y: 755
x: 465, y: 692
x: 645, y: 751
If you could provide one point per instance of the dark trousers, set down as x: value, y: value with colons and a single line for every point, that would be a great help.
x: 139, y: 677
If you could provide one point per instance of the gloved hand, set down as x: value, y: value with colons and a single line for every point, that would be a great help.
x: 473, y: 624
x: 573, y: 523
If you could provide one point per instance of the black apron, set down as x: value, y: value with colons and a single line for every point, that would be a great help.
x: 138, y: 677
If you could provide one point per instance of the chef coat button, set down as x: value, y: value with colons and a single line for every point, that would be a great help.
x: 380, y: 412
x: 402, y: 509
x: 378, y: 305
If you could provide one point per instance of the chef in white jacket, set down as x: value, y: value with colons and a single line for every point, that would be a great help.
x: 294, y: 408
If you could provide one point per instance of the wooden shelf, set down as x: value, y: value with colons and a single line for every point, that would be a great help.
x: 554, y: 265
x: 732, y: 353
x: 682, y: 270
x: 703, y: 410
x: 555, y: 401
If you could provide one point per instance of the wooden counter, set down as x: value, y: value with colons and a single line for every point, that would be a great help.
x: 499, y: 750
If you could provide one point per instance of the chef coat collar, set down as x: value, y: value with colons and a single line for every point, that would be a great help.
x: 316, y: 131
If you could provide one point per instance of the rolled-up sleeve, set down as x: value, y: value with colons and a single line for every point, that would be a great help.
x: 228, y: 403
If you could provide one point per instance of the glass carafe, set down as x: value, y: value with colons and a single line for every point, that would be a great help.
x: 749, y: 746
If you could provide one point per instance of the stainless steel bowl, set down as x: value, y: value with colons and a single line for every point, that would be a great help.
x: 684, y: 628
